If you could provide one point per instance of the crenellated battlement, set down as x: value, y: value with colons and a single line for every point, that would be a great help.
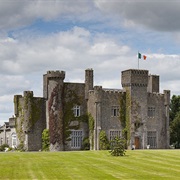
x: 155, y: 94
x: 97, y: 88
x: 134, y: 77
x: 113, y: 91
x: 108, y: 91
x: 56, y: 75
x: 28, y: 93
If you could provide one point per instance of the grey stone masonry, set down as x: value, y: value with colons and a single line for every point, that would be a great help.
x: 137, y: 112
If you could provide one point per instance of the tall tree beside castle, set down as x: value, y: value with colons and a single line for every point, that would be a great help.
x: 175, y: 121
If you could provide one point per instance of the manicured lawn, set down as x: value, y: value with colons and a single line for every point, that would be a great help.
x: 137, y: 164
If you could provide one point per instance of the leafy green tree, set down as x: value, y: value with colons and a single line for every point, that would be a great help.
x: 175, y: 120
x: 3, y: 147
x: 45, y: 140
x: 174, y: 107
x: 103, y: 141
x: 118, y: 147
x: 85, y: 144
x: 175, y: 131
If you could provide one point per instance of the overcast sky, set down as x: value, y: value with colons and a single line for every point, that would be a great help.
x: 73, y: 35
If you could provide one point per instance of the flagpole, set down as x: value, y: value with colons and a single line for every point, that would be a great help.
x: 138, y: 59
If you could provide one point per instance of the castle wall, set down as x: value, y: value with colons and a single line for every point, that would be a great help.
x: 100, y: 105
x: 110, y: 99
x: 74, y: 94
x: 55, y: 111
x: 135, y: 83
x: 35, y: 132
x: 54, y: 108
x: 30, y: 120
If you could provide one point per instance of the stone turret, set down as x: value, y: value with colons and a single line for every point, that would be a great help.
x: 27, y: 110
x: 153, y: 83
x: 30, y: 120
x: 88, y: 81
x: 16, y: 104
x: 167, y: 104
x: 53, y: 92
x: 98, y: 107
x: 135, y: 83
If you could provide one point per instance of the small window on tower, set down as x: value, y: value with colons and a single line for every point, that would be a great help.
x: 76, y: 111
x: 115, y: 111
x: 151, y: 111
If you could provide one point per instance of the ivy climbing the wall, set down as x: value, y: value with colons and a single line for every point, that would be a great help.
x: 103, y: 141
x: 45, y: 140
x: 91, y: 131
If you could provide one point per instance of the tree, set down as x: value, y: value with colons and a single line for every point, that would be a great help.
x: 103, y: 141
x: 118, y: 147
x: 174, y: 107
x: 175, y: 120
x: 175, y: 131
x: 45, y: 140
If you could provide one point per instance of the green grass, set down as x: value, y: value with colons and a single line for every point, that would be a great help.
x: 137, y: 164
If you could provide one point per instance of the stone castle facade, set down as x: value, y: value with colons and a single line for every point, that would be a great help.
x: 75, y: 111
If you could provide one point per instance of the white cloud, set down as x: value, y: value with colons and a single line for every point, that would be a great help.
x: 24, y: 59
x: 108, y: 48
x: 161, y: 15
x: 12, y: 84
x: 19, y: 13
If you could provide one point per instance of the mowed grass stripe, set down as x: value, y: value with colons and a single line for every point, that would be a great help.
x: 138, y: 164
x: 126, y: 165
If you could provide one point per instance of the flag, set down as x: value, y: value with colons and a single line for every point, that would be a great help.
x: 140, y: 56
x: 144, y: 57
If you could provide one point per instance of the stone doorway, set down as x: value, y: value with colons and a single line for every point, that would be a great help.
x: 137, y: 143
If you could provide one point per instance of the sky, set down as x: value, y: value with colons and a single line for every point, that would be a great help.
x: 41, y: 35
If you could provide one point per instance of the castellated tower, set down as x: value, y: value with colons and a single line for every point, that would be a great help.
x: 89, y: 79
x: 153, y: 83
x: 167, y: 106
x: 53, y: 92
x: 30, y: 120
x: 135, y: 83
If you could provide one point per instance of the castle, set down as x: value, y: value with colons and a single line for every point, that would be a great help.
x: 75, y: 111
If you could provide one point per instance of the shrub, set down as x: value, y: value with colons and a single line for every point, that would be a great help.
x: 118, y: 147
x: 86, y: 144
x: 3, y: 147
x: 103, y: 141
x: 45, y: 140
x: 20, y: 147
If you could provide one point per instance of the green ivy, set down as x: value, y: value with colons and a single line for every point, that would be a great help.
x: 45, y: 140
x: 91, y: 130
x: 122, y: 116
x: 128, y: 125
x: 125, y: 104
x: 103, y: 141
x: 85, y: 144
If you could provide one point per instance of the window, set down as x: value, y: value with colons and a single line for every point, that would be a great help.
x: 76, y: 139
x: 7, y: 140
x: 1, y: 141
x: 115, y: 111
x: 14, y: 140
x: 76, y: 111
x: 114, y: 134
x: 151, y: 139
x: 151, y: 111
